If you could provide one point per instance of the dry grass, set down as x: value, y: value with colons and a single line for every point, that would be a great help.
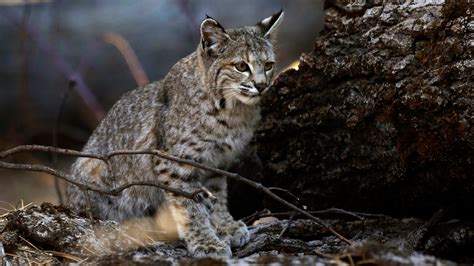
x: 20, y: 206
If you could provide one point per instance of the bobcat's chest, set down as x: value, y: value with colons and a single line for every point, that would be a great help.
x: 231, y: 134
x: 215, y: 138
x: 232, y: 146
x: 222, y: 150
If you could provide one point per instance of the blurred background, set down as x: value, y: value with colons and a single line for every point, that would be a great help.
x: 64, y: 63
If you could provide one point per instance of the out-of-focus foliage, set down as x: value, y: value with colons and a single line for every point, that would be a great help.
x: 64, y: 63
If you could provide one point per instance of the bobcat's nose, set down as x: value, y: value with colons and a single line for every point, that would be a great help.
x: 260, y: 87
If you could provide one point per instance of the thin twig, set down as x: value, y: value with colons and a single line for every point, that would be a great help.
x: 85, y: 186
x: 28, y: 148
x: 29, y: 243
x: 287, y: 225
x: 357, y: 215
x: 160, y: 154
x: 237, y: 177
x: 286, y: 191
x: 64, y: 255
x: 252, y: 217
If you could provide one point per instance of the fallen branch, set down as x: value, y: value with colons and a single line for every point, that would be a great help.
x: 106, y: 157
x: 266, y: 213
x: 237, y: 177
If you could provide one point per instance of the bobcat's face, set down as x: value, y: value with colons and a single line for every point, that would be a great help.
x: 240, y: 61
x: 247, y: 74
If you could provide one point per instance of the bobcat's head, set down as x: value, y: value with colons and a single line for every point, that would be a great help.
x: 238, y: 62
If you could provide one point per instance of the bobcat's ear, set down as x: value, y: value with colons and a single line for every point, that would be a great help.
x: 212, y: 35
x: 269, y: 25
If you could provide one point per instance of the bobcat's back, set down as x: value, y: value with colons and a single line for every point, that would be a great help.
x: 131, y: 124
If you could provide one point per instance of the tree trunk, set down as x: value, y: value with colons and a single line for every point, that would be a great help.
x: 379, y: 116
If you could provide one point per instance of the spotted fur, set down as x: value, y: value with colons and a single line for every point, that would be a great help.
x: 205, y: 109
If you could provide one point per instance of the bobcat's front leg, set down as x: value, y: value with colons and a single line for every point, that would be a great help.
x: 193, y: 219
x: 234, y: 232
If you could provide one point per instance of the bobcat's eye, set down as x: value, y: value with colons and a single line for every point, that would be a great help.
x: 269, y: 66
x: 242, y: 66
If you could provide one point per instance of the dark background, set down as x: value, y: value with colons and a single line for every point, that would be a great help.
x: 60, y: 72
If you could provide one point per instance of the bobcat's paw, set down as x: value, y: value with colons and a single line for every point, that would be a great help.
x: 219, y: 249
x: 237, y: 234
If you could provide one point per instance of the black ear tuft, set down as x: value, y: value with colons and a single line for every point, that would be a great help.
x: 269, y: 25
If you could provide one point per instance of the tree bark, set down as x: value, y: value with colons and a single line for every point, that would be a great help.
x: 379, y: 116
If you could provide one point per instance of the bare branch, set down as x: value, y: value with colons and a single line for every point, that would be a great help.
x: 239, y: 178
x: 85, y: 186
x: 28, y: 148
x: 160, y: 154
x: 266, y: 213
x: 70, y: 179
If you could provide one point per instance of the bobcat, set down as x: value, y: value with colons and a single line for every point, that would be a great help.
x: 206, y: 109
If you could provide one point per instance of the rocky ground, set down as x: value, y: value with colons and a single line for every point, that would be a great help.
x: 51, y: 234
